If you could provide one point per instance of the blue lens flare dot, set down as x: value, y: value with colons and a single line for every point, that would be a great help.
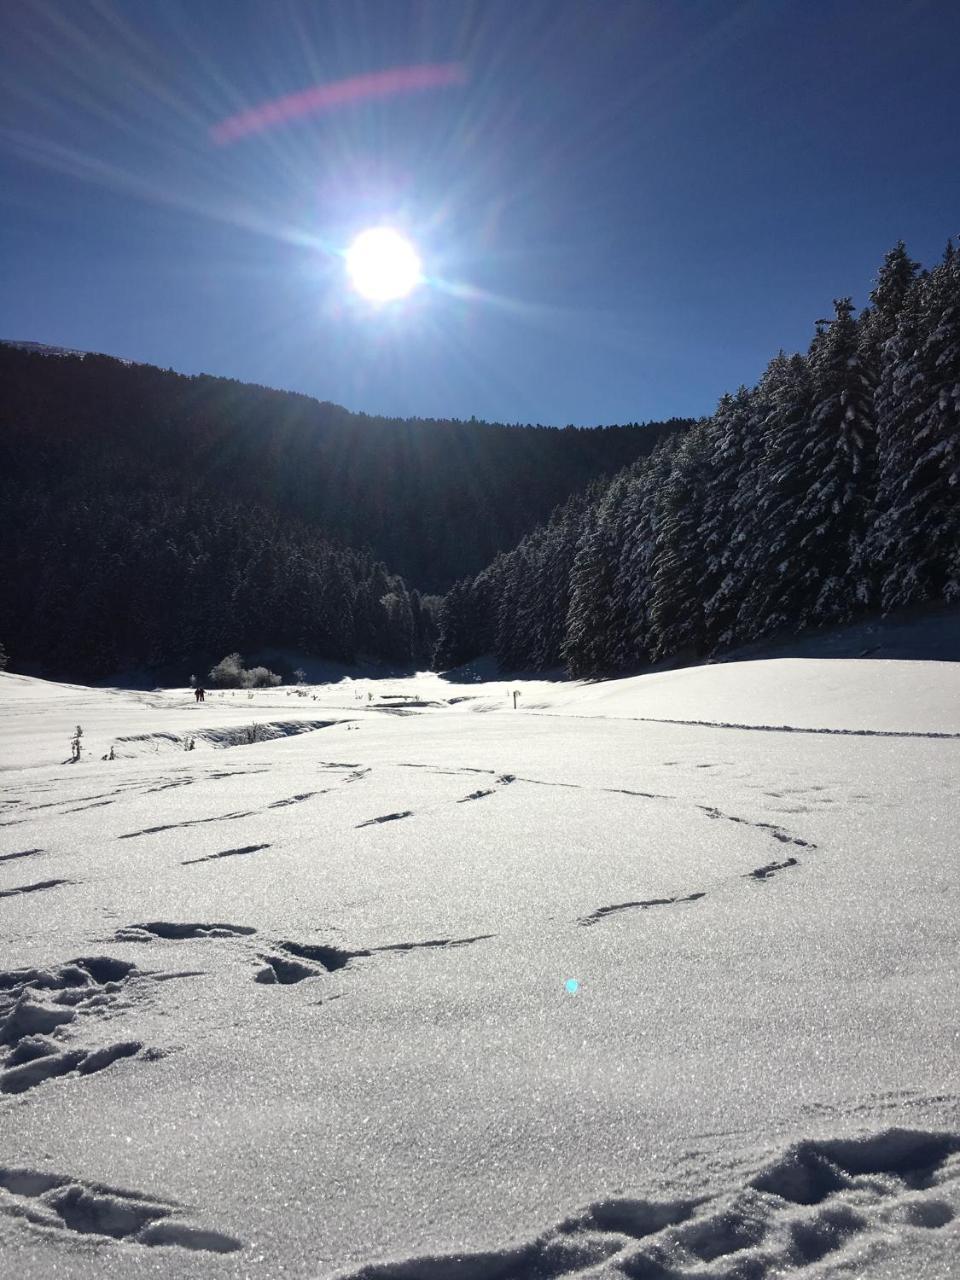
x: 572, y: 986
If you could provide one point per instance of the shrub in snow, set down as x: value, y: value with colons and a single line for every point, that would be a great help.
x: 230, y: 673
x: 260, y: 678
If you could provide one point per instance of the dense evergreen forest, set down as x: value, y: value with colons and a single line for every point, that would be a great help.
x: 829, y: 490
x: 150, y: 518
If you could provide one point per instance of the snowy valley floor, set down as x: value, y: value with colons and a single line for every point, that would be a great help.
x: 300, y: 1007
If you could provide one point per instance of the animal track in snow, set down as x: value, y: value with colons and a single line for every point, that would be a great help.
x: 175, y: 931
x: 36, y: 887
x: 282, y: 804
x: 764, y: 873
x: 60, y: 1203
x: 324, y: 958
x: 36, y: 1007
x: 602, y: 912
x: 503, y: 780
x: 386, y: 817
x: 226, y: 853
x: 190, y: 822
x: 818, y: 1198
x: 23, y: 853
x: 771, y: 829
x: 283, y: 970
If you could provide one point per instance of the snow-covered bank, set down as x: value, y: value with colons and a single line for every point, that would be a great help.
x: 302, y: 1007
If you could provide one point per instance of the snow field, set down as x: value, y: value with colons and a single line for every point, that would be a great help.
x: 299, y: 1007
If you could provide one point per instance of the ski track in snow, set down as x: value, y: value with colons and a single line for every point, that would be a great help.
x: 825, y: 1199
x: 752, y: 728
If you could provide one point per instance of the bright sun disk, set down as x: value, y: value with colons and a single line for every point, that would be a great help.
x: 383, y: 265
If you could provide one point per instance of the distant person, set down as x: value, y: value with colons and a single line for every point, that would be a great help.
x: 199, y: 694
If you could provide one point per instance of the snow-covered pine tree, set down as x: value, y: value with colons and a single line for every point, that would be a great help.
x: 839, y: 460
x: 918, y: 530
x: 772, y: 565
x: 516, y: 607
x: 642, y: 512
x: 597, y: 617
x: 734, y: 440
x: 881, y: 350
x: 450, y: 626
x: 676, y: 605
x: 554, y: 580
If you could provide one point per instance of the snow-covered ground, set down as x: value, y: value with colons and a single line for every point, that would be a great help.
x: 648, y: 977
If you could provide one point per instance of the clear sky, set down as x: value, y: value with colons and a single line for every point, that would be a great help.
x: 623, y: 209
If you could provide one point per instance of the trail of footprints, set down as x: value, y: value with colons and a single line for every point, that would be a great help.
x: 762, y: 873
x: 819, y: 1199
x: 503, y: 780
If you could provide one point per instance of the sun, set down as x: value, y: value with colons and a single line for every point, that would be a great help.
x: 383, y: 265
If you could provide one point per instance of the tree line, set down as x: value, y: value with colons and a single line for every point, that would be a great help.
x: 101, y: 578
x: 829, y: 490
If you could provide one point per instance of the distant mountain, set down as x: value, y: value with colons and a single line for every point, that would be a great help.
x: 224, y: 498
x: 43, y: 349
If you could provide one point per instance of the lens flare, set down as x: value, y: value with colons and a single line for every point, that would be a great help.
x: 340, y: 93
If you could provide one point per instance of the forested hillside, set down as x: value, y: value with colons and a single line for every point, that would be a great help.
x: 149, y: 517
x: 830, y: 489
x: 435, y: 500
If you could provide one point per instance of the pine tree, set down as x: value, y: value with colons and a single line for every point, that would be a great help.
x: 637, y: 559
x: 598, y: 616
x: 733, y: 439
x: 918, y: 529
x: 676, y: 606
x: 771, y: 568
x: 838, y: 460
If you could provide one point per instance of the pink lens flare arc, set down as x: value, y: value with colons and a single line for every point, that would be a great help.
x: 340, y: 93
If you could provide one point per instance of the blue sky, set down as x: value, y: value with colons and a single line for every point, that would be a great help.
x: 623, y: 211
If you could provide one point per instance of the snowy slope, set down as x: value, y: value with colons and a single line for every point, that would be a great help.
x: 300, y: 1007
